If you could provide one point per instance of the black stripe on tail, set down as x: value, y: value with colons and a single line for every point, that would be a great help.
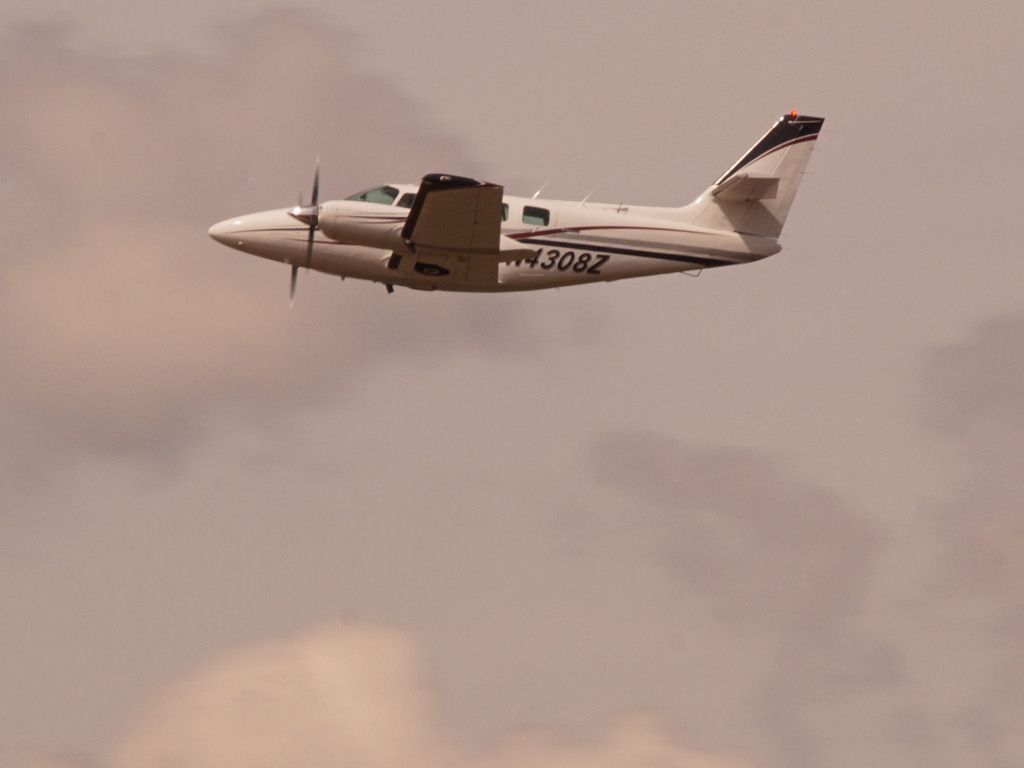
x: 789, y: 129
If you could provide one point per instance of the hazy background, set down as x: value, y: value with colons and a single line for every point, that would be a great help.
x: 768, y: 517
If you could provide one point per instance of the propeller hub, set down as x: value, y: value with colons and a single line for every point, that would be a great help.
x: 307, y: 214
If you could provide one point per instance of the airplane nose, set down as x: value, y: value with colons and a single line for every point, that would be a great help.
x: 222, y: 231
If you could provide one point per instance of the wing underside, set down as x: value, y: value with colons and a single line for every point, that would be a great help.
x: 455, y: 214
x: 454, y: 227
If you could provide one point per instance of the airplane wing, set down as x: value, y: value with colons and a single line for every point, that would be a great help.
x: 454, y: 227
x: 456, y: 215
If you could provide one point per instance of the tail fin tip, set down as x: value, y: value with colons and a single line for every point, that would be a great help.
x: 788, y: 130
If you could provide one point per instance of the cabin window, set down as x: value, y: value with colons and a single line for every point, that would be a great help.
x: 536, y: 216
x: 504, y: 211
x: 385, y: 195
x: 405, y: 201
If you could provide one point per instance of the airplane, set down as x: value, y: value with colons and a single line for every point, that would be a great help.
x: 453, y: 233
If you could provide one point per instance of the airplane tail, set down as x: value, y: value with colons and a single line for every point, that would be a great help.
x: 754, y: 196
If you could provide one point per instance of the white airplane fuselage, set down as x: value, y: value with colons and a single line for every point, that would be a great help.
x: 581, y: 243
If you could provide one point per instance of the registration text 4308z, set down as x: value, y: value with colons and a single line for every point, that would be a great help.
x: 563, y: 261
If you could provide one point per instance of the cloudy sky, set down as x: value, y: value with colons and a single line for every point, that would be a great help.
x: 767, y: 517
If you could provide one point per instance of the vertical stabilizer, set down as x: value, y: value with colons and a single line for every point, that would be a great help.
x: 754, y: 196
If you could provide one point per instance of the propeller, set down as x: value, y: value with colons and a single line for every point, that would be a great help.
x: 307, y: 214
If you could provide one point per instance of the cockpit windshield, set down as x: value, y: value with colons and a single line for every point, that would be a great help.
x: 385, y: 195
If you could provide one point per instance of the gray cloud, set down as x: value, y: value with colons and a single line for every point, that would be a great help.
x: 973, y: 386
x: 974, y: 604
x: 726, y: 506
x: 771, y: 558
x: 973, y: 395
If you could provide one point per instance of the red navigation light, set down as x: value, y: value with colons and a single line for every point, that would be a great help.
x: 794, y: 113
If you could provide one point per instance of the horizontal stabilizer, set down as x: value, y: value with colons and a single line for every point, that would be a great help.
x: 744, y: 186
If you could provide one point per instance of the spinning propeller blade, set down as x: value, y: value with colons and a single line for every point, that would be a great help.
x: 307, y: 214
x: 316, y: 183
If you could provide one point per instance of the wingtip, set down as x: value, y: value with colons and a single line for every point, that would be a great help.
x: 450, y: 181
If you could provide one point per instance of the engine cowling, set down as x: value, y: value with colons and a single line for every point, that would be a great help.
x: 361, y: 224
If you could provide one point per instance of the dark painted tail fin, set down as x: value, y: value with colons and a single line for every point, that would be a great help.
x: 754, y: 196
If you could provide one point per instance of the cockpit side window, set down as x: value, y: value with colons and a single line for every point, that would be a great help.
x: 405, y: 201
x: 536, y: 216
x: 385, y: 195
x: 504, y: 211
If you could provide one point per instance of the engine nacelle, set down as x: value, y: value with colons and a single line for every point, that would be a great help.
x: 359, y: 224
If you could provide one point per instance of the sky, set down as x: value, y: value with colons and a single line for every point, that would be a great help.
x: 771, y: 516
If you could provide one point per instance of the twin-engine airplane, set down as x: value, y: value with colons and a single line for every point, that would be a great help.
x: 457, y: 234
